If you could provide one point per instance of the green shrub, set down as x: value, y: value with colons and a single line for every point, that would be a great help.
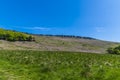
x: 115, y: 50
x: 15, y: 36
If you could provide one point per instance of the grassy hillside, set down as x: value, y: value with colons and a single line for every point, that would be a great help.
x: 57, y: 58
x: 13, y: 40
x: 51, y: 43
x: 36, y: 65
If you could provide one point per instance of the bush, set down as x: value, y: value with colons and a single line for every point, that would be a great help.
x: 115, y: 50
x: 15, y: 36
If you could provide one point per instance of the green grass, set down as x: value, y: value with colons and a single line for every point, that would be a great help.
x: 45, y: 65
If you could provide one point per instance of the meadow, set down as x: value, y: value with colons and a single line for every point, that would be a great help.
x: 58, y: 65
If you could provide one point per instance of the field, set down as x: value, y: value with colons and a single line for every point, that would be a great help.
x: 46, y: 65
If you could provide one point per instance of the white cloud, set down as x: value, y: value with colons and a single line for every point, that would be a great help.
x: 39, y: 28
x: 26, y: 28
x: 100, y: 29
x: 32, y: 28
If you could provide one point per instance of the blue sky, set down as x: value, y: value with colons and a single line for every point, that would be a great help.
x: 94, y: 18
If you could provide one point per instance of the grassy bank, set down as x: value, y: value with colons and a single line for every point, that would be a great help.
x: 45, y: 65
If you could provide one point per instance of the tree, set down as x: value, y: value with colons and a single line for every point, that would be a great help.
x: 31, y: 38
x: 115, y: 50
x: 110, y: 50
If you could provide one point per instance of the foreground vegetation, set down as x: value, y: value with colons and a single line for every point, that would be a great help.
x: 37, y: 65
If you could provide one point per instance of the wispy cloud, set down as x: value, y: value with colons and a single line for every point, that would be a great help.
x: 100, y: 29
x: 26, y: 28
x: 39, y: 28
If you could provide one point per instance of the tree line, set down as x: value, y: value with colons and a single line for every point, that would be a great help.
x: 66, y: 36
x: 15, y: 36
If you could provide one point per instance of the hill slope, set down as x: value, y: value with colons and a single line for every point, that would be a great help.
x: 54, y: 43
